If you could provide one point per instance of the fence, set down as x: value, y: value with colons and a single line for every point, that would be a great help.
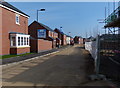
x: 107, y: 50
x: 92, y: 48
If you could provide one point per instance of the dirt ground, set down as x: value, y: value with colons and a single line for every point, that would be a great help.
x: 69, y: 67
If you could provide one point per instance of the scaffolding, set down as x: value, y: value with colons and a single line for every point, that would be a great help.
x: 110, y: 46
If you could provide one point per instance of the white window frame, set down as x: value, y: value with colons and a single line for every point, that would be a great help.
x: 11, y: 41
x: 17, y: 15
x: 21, y: 36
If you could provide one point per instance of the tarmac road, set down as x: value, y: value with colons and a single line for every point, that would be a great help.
x: 69, y: 67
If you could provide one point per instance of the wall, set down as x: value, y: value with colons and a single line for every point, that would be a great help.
x: 63, y: 40
x: 44, y: 45
x: 0, y: 31
x: 38, y: 45
x: 81, y: 40
x: 68, y: 40
x: 19, y: 50
x: 33, y: 45
x: 32, y: 29
x: 9, y: 25
x: 59, y: 34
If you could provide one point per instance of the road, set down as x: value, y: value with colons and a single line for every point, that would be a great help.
x: 69, y: 67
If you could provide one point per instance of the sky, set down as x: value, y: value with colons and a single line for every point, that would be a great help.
x: 79, y: 18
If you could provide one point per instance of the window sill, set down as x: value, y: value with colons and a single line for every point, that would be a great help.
x: 17, y: 23
x: 19, y: 46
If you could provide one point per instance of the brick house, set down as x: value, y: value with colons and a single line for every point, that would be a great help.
x: 78, y: 39
x: 42, y: 32
x: 14, y: 33
x: 68, y: 39
x: 61, y: 36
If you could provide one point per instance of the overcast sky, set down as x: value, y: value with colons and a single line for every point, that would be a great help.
x: 79, y: 18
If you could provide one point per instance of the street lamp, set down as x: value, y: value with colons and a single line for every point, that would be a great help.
x: 69, y: 33
x: 38, y: 11
x: 61, y: 29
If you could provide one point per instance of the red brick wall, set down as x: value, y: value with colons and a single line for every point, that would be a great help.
x: 38, y: 45
x: 9, y: 25
x: 44, y: 45
x: 64, y: 40
x: 76, y: 40
x: 32, y: 30
x: 53, y: 44
x: 0, y: 31
x: 59, y: 34
x: 19, y: 50
x: 33, y: 45
x: 81, y: 40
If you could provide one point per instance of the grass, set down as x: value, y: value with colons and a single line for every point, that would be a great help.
x: 9, y: 56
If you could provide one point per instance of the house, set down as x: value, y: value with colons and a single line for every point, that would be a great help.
x: 81, y: 40
x: 58, y: 41
x: 40, y: 32
x: 71, y: 40
x: 68, y: 39
x: 14, y: 30
x: 61, y: 36
x: 78, y: 39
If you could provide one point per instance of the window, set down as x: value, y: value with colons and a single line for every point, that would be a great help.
x: 27, y: 41
x: 49, y: 33
x: 13, y: 41
x: 17, y: 19
x: 24, y: 40
x: 18, y: 40
x: 21, y: 40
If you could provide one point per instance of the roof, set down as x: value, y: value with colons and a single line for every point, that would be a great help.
x: 71, y: 37
x: 51, y: 38
x: 17, y: 33
x: 48, y: 28
x: 60, y: 31
x: 11, y: 7
x: 31, y: 37
x: 68, y: 35
x: 78, y: 36
x: 91, y: 37
x: 58, y: 38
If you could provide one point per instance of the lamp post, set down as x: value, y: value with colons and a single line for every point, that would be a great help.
x: 69, y: 33
x: 61, y: 28
x: 38, y: 11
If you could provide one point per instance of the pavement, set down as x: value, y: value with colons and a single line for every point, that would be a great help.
x: 68, y: 68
